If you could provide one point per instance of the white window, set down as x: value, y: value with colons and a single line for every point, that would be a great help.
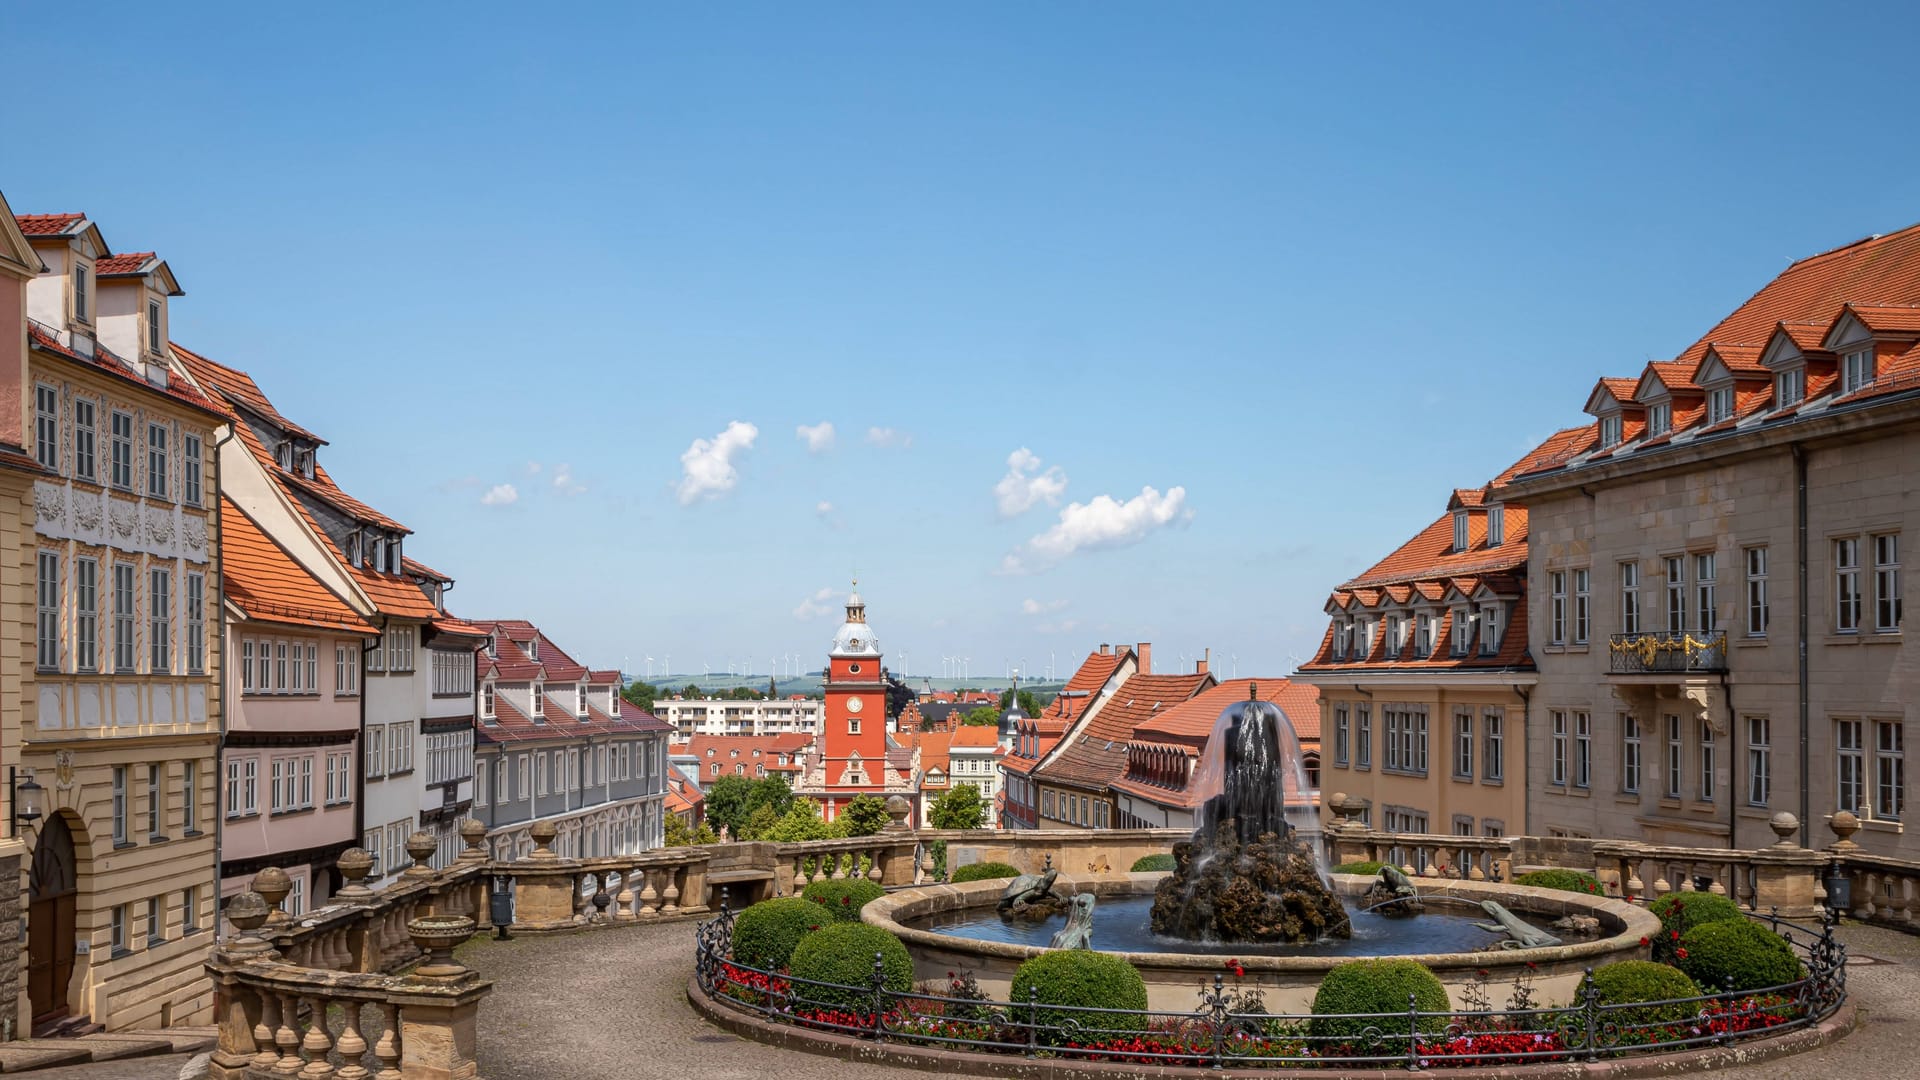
x: 1423, y: 636
x: 1675, y: 753
x: 154, y: 330
x: 399, y: 747
x: 46, y: 426
x: 313, y: 668
x: 1719, y: 404
x: 399, y: 648
x: 480, y: 785
x: 278, y: 789
x: 397, y: 833
x: 1850, y: 789
x: 339, y: 776
x: 1629, y: 753
x: 1341, y: 735
x: 190, y: 454
x: 1556, y: 607
x: 346, y: 670
x: 243, y: 795
x: 1889, y: 770
x: 83, y: 439
x: 1460, y: 532
x: 1582, y: 605
x: 853, y: 725
x: 376, y: 740
x: 526, y: 776
x: 47, y: 607
x: 1629, y: 598
x: 1676, y: 566
x: 117, y: 935
x: 1610, y: 430
x: 196, y: 624
x: 1659, y: 418
x: 119, y: 805
x: 580, y: 699
x: 280, y: 667
x: 1363, y: 735
x: 1759, y: 760
x: 1582, y: 750
x: 1489, y: 630
x: 373, y: 843
x: 156, y: 800
x: 298, y: 673
x: 486, y: 701
x: 539, y: 700
x: 1856, y: 370
x: 1846, y: 585
x: 1559, y: 749
x: 1706, y: 595
x: 1886, y: 583
x: 79, y: 291
x: 1496, y: 525
x: 1757, y: 614
x: 1789, y: 388
x: 1495, y: 767
x: 1463, y: 744
x: 157, y: 460
x: 1707, y: 761
x: 1462, y: 632
x: 160, y: 619
x: 122, y: 449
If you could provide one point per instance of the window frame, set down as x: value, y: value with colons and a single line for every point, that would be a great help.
x: 1759, y: 760
x: 46, y: 426
x: 120, y: 450
x: 1888, y: 603
x: 1847, y: 600
x: 86, y: 440
x: 158, y: 463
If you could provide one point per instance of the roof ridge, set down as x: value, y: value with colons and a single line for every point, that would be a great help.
x: 1868, y: 239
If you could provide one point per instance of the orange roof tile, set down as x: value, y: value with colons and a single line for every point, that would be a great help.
x: 269, y: 585
x: 134, y: 262
x: 1191, y: 722
x: 1096, y: 752
x: 103, y: 359
x: 47, y: 224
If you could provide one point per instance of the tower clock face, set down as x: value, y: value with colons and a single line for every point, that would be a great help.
x: 854, y: 704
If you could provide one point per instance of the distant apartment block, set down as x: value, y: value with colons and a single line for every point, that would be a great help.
x: 721, y: 716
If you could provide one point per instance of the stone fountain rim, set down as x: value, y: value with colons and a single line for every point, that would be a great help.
x: 1636, y: 923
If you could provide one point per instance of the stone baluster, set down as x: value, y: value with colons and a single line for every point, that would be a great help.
x: 265, y: 1033
x: 649, y: 897
x: 317, y: 1043
x: 838, y: 873
x: 387, y: 1050
x: 925, y: 867
x: 287, y: 1039
x: 1661, y: 886
x: 351, y: 1045
x: 1631, y: 883
x: 624, y: 908
x: 670, y: 896
x: 874, y: 873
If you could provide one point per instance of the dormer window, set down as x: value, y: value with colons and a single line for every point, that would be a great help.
x: 393, y: 555
x: 1610, y: 430
x: 1423, y: 636
x: 1496, y: 525
x: 1789, y: 388
x: 580, y: 699
x: 1719, y: 404
x: 486, y: 701
x: 353, y: 549
x: 1489, y: 630
x: 80, y: 291
x: 533, y: 649
x: 539, y: 701
x: 493, y: 648
x: 304, y: 461
x: 1856, y: 371
x: 153, y: 326
x: 283, y: 454
x: 1459, y: 530
x: 1462, y: 631
x: 379, y: 551
x: 1659, y: 419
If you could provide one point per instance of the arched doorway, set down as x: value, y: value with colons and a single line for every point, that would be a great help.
x: 53, y: 891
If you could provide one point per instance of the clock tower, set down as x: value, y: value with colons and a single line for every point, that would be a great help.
x: 854, y: 728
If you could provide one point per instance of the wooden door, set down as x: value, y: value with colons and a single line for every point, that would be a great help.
x: 50, y: 921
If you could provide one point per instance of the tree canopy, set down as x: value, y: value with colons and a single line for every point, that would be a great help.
x: 679, y: 834
x: 641, y: 694
x: 959, y: 807
x: 732, y: 800
x: 983, y: 716
x: 1028, y: 705
x: 864, y: 816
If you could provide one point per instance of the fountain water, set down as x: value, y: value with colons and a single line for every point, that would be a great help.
x: 1248, y: 874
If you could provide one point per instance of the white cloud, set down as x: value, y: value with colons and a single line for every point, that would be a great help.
x: 815, y: 606
x: 500, y: 495
x: 889, y: 438
x: 533, y: 468
x: 1105, y: 522
x: 818, y: 437
x: 1035, y: 607
x: 564, y: 482
x: 706, y: 469
x: 823, y: 508
x: 1025, y: 485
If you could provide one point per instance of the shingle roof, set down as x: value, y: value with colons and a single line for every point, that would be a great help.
x: 105, y: 360
x: 47, y: 224
x: 1191, y: 722
x: 269, y: 585
x: 133, y: 262
x: 1095, y: 752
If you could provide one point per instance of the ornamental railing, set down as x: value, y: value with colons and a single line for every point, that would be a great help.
x: 1230, y: 1025
x: 1663, y: 651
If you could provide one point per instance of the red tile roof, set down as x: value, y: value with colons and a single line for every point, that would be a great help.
x: 47, y: 224
x: 1088, y: 678
x: 1191, y: 722
x: 1094, y: 752
x: 104, y: 359
x: 131, y: 263
x: 749, y: 751
x: 268, y: 585
x: 237, y: 387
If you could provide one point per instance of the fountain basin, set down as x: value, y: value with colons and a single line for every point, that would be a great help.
x: 1174, y: 978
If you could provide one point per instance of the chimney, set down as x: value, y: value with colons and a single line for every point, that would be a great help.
x: 1200, y: 665
x: 1105, y: 648
x: 1144, y: 651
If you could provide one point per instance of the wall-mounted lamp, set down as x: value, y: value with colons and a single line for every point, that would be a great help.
x: 24, y: 798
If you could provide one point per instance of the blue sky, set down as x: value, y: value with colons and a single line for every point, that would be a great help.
x: 1309, y: 268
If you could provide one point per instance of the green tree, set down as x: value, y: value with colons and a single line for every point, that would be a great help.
x: 641, y: 694
x: 865, y: 815
x: 1028, y: 705
x: 729, y: 801
x: 959, y: 807
x: 759, y: 823
x: 679, y: 834
x: 770, y: 791
x: 802, y: 821
x: 983, y: 716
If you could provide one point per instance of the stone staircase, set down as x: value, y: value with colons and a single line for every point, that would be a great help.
x: 79, y: 1049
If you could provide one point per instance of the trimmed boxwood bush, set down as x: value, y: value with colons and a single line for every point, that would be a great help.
x: 1084, y: 979
x: 1630, y: 982
x: 1564, y: 880
x: 843, y: 899
x: 764, y: 935
x: 981, y: 871
x: 1369, y: 867
x: 843, y: 953
x: 1376, y: 986
x: 1148, y: 863
x: 1745, y: 952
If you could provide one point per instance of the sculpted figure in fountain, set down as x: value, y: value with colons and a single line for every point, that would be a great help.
x: 1393, y: 894
x: 1246, y: 875
x: 1078, y: 933
x: 1030, y: 897
x: 1520, y: 934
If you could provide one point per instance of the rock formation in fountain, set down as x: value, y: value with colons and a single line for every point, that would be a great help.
x: 1246, y: 875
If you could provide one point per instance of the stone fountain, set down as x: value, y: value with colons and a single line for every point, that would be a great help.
x: 1247, y: 874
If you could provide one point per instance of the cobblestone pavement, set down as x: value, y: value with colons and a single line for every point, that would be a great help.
x: 612, y: 1005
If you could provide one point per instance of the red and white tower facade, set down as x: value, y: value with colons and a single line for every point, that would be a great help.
x: 854, y: 728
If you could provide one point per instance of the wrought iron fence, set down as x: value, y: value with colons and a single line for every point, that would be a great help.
x: 1231, y: 1026
x: 1668, y: 651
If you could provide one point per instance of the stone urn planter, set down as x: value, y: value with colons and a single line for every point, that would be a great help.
x: 438, y: 936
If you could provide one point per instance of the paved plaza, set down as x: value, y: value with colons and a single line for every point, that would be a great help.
x: 611, y: 1006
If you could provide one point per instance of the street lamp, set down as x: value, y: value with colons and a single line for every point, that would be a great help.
x: 24, y: 797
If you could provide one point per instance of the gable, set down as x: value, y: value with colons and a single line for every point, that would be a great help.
x: 1847, y: 331
x: 17, y: 256
x: 1781, y: 351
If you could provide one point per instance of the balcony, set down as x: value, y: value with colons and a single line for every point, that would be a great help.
x: 1666, y: 652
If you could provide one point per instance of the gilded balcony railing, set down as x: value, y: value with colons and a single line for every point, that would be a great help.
x: 1662, y: 651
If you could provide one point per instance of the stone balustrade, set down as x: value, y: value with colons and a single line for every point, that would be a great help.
x: 1881, y: 889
